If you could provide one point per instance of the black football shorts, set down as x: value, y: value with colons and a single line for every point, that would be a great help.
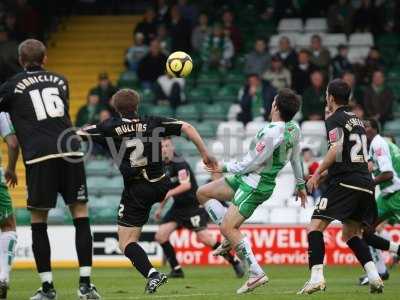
x: 137, y: 199
x: 193, y: 218
x: 345, y: 202
x: 47, y: 178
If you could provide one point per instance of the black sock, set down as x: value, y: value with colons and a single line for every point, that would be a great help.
x: 41, y: 251
x: 84, y: 245
x: 316, y: 248
x: 139, y: 258
x: 360, y: 250
x: 376, y: 241
x: 228, y: 257
x: 170, y: 254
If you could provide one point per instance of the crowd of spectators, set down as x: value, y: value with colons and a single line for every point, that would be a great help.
x: 217, y: 42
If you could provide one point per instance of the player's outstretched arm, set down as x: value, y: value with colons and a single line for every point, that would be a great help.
x: 196, y: 139
x: 297, y: 166
x: 328, y: 161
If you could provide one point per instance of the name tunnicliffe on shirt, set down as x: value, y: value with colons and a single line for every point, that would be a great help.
x: 36, y: 79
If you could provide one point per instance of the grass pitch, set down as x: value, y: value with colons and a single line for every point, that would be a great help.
x: 208, y: 283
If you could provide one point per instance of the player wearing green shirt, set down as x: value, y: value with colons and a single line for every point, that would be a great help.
x: 8, y: 236
x: 253, y: 181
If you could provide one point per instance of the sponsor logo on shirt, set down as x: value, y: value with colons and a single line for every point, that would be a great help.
x: 260, y: 147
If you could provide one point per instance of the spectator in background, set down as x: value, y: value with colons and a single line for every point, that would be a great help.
x: 104, y: 115
x: 356, y: 95
x: 287, y: 54
x: 320, y: 55
x: 105, y: 89
x: 9, y: 64
x: 368, y: 18
x: 188, y: 11
x: 301, y: 73
x: 148, y: 26
x: 372, y: 63
x: 341, y: 63
x: 340, y: 17
x: 277, y: 74
x: 358, y: 110
x: 28, y: 19
x: 162, y: 11
x: 217, y: 50
x: 164, y: 39
x: 310, y: 165
x: 136, y: 52
x: 90, y: 112
x: 152, y: 65
x: 378, y: 99
x: 314, y: 98
x: 257, y: 61
x: 234, y: 31
x: 10, y: 22
x: 170, y: 89
x: 255, y: 99
x: 200, y: 32
x: 179, y: 31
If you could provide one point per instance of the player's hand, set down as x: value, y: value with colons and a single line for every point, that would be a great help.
x: 216, y: 168
x: 370, y: 166
x: 11, y: 177
x: 313, y: 182
x: 302, y: 195
x: 157, y: 214
x: 210, y: 161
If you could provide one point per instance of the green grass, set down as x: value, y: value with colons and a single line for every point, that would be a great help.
x: 208, y: 283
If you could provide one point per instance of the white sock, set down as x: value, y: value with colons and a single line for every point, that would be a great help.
x: 46, y: 277
x: 152, y: 270
x: 378, y: 260
x: 8, y: 240
x: 394, y: 248
x: 215, y: 210
x: 317, y: 273
x: 85, y: 271
x: 371, y: 270
x: 244, y: 252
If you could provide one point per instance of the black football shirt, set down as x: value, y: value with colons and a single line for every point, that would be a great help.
x: 351, y: 166
x: 179, y: 171
x: 135, y: 144
x: 38, y: 104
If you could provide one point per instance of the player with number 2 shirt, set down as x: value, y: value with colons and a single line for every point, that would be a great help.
x: 137, y: 141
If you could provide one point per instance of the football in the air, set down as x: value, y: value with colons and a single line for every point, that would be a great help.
x: 179, y: 64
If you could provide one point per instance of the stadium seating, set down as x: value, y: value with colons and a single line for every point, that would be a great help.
x: 290, y: 25
x: 335, y: 39
x: 361, y: 39
x: 188, y: 112
x: 316, y: 25
x: 230, y: 128
x: 283, y: 215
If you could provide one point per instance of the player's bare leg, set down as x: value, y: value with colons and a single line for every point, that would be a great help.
x: 8, y: 241
x: 84, y: 250
x: 41, y: 252
x: 230, y: 229
x: 316, y: 253
x: 162, y: 236
x: 352, y: 234
x: 128, y: 243
x: 204, y: 236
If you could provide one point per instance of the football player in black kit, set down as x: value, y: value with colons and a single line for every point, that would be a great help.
x: 137, y: 141
x: 349, y: 196
x: 185, y: 212
x: 38, y: 103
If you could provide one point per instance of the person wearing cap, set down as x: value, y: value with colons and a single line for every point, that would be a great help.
x: 277, y: 74
x: 105, y: 89
x: 341, y: 63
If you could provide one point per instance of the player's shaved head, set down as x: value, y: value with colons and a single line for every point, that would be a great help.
x: 126, y: 102
x: 31, y: 52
